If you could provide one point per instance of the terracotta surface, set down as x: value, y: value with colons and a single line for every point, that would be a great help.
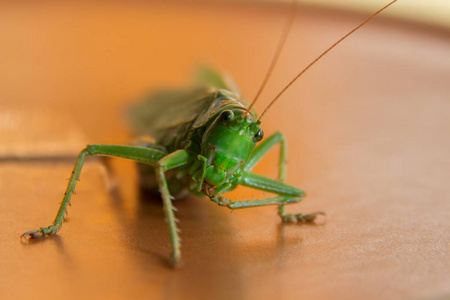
x: 368, y: 131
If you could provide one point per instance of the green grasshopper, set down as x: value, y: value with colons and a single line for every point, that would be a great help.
x: 212, y: 144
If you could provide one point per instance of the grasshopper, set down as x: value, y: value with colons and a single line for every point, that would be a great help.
x: 212, y: 138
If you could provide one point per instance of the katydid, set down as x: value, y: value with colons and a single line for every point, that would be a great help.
x: 213, y: 144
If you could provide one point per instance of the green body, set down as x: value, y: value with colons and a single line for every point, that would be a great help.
x: 210, y: 139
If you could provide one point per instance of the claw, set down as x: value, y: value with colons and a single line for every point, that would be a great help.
x: 310, y: 218
x: 34, y: 234
x: 39, y: 233
x: 300, y: 218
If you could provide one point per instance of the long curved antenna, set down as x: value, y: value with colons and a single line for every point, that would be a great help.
x: 321, y: 55
x: 276, y: 56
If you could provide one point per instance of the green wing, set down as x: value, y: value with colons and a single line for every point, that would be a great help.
x: 167, y: 109
x: 206, y: 76
x: 167, y: 112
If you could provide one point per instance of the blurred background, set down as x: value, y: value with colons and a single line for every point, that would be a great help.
x: 367, y: 132
x: 429, y: 12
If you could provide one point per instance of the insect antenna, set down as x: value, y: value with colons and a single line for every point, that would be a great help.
x: 276, y: 56
x: 323, y: 54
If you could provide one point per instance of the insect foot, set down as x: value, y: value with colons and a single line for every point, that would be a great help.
x: 39, y: 233
x: 175, y: 259
x: 299, y: 218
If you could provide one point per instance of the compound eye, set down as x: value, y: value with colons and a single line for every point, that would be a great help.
x: 226, y: 115
x: 258, y: 136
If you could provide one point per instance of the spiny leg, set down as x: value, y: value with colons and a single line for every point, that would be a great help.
x: 171, y: 161
x: 257, y: 155
x: 144, y: 155
x: 147, y: 177
x: 57, y: 223
x: 286, y: 195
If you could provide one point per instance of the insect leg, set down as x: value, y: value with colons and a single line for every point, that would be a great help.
x: 287, y: 195
x: 291, y: 195
x: 171, y: 161
x: 144, y: 155
x: 258, y: 154
x: 147, y: 177
x: 263, y: 148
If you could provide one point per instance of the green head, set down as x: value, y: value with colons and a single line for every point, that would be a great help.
x: 228, y: 143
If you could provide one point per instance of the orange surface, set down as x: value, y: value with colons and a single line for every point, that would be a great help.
x: 368, y: 133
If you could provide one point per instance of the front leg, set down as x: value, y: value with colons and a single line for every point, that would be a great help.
x: 256, y: 156
x: 144, y: 155
x: 171, y: 161
x: 286, y: 195
x: 265, y: 147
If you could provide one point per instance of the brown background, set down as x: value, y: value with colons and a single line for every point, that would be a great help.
x: 368, y: 133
